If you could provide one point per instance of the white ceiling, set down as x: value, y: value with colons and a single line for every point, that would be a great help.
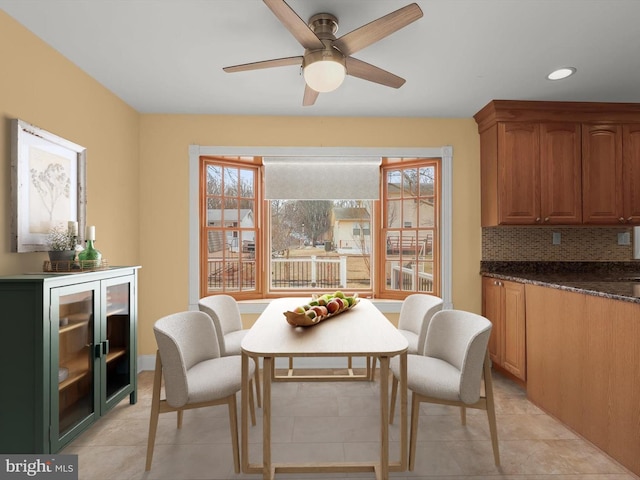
x: 166, y: 56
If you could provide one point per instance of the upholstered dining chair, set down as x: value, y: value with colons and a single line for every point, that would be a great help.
x: 415, y: 314
x: 225, y: 313
x: 195, y: 375
x: 451, y: 371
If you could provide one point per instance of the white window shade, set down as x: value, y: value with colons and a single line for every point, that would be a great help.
x: 322, y: 178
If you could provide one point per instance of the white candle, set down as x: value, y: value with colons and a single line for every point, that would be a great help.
x: 91, y: 233
x: 73, y: 228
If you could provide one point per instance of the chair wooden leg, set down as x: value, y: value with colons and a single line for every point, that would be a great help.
x: 394, y: 394
x: 233, y: 421
x: 463, y: 415
x: 258, y: 394
x: 252, y: 407
x: 491, y: 412
x: 179, y: 415
x: 155, y: 412
x: 413, y: 437
x: 373, y: 368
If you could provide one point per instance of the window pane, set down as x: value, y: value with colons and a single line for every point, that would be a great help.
x: 320, y: 244
x: 231, y: 188
x: 246, y: 182
x: 230, y: 246
x: 411, y: 216
x: 394, y: 183
x: 214, y: 203
x: 214, y: 180
x: 394, y: 214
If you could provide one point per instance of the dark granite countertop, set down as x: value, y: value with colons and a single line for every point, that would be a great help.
x: 615, y: 280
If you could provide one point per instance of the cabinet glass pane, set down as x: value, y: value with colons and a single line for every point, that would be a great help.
x: 118, y: 337
x: 75, y: 362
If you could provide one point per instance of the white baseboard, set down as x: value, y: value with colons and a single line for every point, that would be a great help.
x: 148, y: 362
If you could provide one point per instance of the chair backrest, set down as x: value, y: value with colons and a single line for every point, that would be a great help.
x: 184, y: 340
x: 225, y: 313
x: 415, y: 314
x: 460, y: 338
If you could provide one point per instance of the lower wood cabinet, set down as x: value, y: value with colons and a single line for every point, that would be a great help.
x: 503, y: 303
x: 68, y: 354
x: 583, y: 367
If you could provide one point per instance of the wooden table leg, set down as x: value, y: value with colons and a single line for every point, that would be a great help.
x: 384, y: 417
x: 244, y: 414
x: 267, y: 473
x: 403, y: 411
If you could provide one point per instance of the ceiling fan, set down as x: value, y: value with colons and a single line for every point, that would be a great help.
x: 327, y: 59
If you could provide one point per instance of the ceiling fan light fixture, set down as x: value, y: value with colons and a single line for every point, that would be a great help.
x: 324, y: 76
x: 561, y: 73
x: 324, y: 70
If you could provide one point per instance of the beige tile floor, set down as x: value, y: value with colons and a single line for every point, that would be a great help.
x: 339, y: 422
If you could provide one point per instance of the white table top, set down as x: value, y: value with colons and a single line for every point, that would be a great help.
x: 360, y: 331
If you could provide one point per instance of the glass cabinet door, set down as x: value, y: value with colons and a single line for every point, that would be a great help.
x: 118, y: 338
x: 73, y: 353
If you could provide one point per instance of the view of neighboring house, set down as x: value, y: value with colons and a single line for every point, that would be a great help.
x: 351, y: 230
x: 242, y: 218
x: 410, y: 212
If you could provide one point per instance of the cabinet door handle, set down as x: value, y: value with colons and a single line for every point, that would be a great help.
x: 97, y: 349
x: 105, y: 347
x: 538, y: 219
x: 629, y: 219
x: 546, y: 219
x: 621, y: 219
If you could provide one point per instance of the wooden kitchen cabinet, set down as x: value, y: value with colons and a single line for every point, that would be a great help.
x: 503, y: 303
x: 559, y: 163
x: 631, y: 172
x: 602, y: 201
x: 68, y: 349
x: 610, y: 173
x: 583, y: 366
x: 530, y: 174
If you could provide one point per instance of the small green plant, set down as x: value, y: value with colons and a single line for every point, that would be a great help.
x: 60, y: 238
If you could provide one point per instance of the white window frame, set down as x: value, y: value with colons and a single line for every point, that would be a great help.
x: 196, y: 151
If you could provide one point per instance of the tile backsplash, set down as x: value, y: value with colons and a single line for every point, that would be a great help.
x: 577, y: 244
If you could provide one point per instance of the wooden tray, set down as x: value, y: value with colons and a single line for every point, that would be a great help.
x: 301, y: 320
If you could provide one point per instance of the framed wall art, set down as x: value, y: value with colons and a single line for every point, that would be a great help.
x: 48, y: 176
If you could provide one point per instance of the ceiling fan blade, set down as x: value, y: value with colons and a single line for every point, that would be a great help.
x: 298, y: 27
x: 366, y: 71
x: 310, y: 96
x: 377, y: 30
x: 276, y: 62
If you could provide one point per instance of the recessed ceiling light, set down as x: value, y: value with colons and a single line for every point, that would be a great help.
x: 561, y: 73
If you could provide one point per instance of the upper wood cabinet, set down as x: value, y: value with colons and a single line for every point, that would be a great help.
x: 631, y: 172
x: 602, y: 174
x: 532, y: 176
x: 563, y: 163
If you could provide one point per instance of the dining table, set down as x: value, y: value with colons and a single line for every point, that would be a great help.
x: 360, y: 331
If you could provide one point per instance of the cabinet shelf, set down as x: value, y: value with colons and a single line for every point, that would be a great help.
x: 75, y: 321
x: 115, y: 353
x: 78, y: 369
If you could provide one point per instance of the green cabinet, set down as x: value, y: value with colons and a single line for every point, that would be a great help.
x: 67, y: 354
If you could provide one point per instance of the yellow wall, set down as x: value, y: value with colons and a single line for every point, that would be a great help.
x: 164, y: 144
x: 137, y: 168
x: 41, y: 87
